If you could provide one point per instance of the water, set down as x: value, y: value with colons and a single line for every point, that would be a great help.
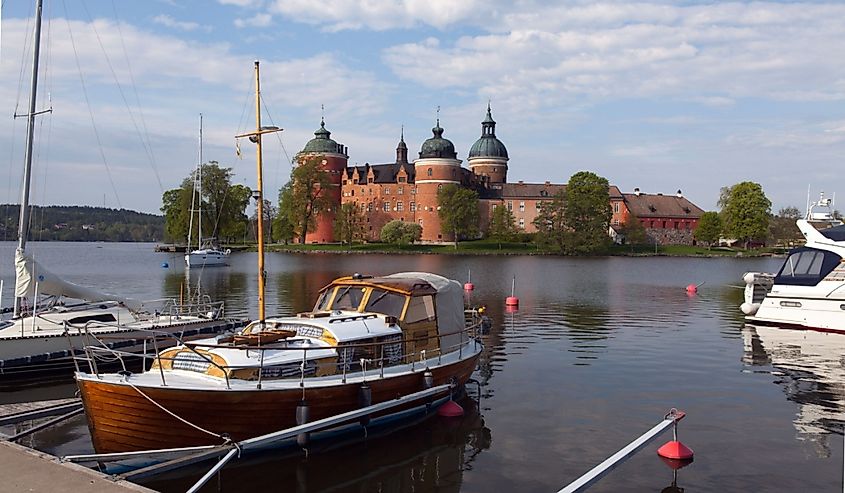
x: 599, y: 351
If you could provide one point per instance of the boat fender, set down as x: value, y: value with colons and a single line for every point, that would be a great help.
x: 303, y: 414
x: 365, y: 399
x: 428, y: 379
x: 228, y: 251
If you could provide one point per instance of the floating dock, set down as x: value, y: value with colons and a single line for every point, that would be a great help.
x: 29, y: 470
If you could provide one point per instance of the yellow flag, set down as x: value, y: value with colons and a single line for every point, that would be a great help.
x: 238, y: 149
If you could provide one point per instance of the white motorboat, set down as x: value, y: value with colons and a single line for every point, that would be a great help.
x: 808, y: 292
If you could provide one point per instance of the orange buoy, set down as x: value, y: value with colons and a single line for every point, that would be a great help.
x: 512, y: 300
x: 675, y: 450
x: 469, y: 286
x: 692, y: 288
x: 450, y: 409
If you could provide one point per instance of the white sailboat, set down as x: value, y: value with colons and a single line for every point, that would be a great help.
x: 53, y: 319
x: 207, y: 254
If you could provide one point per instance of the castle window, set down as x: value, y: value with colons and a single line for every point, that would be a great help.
x: 413, y: 206
x: 401, y: 179
x: 521, y: 223
x: 510, y: 205
x: 387, y: 190
x: 352, y: 193
x: 369, y: 180
x: 677, y: 225
x: 428, y: 172
x: 369, y: 207
x: 344, y: 182
x: 616, y: 207
x: 355, y: 181
x: 399, y: 206
x: 386, y: 207
x: 413, y: 190
x: 370, y: 191
x: 439, y: 187
x: 521, y: 206
x: 420, y: 222
x: 400, y: 191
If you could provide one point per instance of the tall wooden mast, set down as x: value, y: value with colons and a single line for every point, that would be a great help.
x: 258, y: 193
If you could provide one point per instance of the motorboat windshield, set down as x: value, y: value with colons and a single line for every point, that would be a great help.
x: 806, y: 267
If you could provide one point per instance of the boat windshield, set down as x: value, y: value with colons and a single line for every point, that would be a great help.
x: 806, y: 267
x: 348, y: 298
x: 385, y: 302
x: 323, y: 301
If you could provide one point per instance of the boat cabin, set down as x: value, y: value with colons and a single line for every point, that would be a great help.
x: 808, y: 266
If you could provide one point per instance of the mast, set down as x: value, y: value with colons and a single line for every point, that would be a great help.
x: 23, y: 220
x: 199, y: 170
x: 258, y: 194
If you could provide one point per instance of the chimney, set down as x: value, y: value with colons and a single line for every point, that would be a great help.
x: 680, y: 195
x: 548, y: 183
x: 637, y: 191
x: 520, y: 182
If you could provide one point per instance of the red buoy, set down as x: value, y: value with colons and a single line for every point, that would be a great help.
x: 469, y: 286
x: 675, y: 450
x: 692, y: 289
x: 450, y: 409
x: 511, y: 301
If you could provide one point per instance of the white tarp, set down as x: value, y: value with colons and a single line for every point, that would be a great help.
x: 449, y: 302
x: 28, y: 273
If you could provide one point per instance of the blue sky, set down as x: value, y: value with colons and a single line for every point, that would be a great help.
x: 658, y: 95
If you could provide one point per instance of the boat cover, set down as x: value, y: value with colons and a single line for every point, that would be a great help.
x: 836, y: 233
x: 28, y: 273
x: 449, y: 303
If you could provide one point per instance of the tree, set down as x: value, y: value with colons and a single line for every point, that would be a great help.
x: 222, y: 204
x: 551, y: 229
x: 587, y: 213
x: 349, y: 224
x: 283, y: 229
x: 502, y: 225
x: 401, y: 233
x: 709, y: 228
x: 270, y: 213
x: 782, y: 227
x: 458, y: 211
x: 634, y: 231
x: 745, y: 212
x: 307, y: 195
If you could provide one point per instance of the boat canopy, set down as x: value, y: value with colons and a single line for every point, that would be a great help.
x: 28, y: 273
x: 807, y: 266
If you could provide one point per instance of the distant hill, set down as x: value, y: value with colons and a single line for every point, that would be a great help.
x: 82, y: 223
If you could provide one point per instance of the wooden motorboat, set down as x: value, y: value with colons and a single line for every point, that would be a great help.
x: 368, y: 340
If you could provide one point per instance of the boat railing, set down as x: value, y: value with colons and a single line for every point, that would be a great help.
x: 376, y: 354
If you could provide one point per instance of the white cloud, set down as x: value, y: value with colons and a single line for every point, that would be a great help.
x: 711, y: 54
x: 168, y: 21
x: 258, y: 20
x: 242, y: 3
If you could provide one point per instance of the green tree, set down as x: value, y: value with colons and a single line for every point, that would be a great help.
x: 782, y: 227
x: 745, y: 212
x: 349, y: 224
x: 502, y: 225
x: 458, y: 211
x: 176, y: 206
x: 634, y: 231
x: 400, y: 233
x: 587, y: 213
x: 709, y: 228
x: 307, y: 196
x: 552, y: 232
x: 283, y: 229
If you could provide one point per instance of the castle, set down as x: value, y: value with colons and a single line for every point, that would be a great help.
x: 407, y: 190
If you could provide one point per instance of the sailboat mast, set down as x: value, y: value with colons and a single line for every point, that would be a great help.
x: 260, y: 192
x: 199, y: 170
x: 23, y: 220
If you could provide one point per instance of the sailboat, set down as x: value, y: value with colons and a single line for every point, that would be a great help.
x: 207, y: 254
x: 53, y: 319
x: 367, y: 340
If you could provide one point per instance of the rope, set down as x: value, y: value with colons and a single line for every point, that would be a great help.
x: 171, y: 413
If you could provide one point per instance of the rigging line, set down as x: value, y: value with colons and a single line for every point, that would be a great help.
x: 279, y: 137
x: 44, y: 144
x: 147, y: 150
x: 250, y: 92
x: 137, y: 98
x: 91, y: 113
x: 24, y: 52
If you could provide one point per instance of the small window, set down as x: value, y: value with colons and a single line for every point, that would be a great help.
x: 522, y: 207
x: 616, y: 207
x: 420, y: 308
x: 386, y: 207
x: 428, y: 172
x: 399, y: 206
x: 439, y: 187
x: 387, y: 190
x: 385, y: 302
x: 400, y: 191
x: 413, y: 206
x: 369, y: 180
x: 369, y: 207
x: 401, y: 179
x: 348, y: 298
x: 510, y: 205
x: 521, y: 223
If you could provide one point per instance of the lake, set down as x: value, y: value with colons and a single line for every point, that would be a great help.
x: 599, y: 351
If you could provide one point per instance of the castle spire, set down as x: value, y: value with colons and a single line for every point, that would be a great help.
x: 402, y: 148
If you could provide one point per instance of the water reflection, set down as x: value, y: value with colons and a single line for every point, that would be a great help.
x: 810, y: 368
x: 430, y: 455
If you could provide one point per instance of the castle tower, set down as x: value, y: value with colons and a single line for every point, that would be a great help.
x: 437, y: 167
x: 488, y: 156
x: 333, y: 159
x: 402, y: 149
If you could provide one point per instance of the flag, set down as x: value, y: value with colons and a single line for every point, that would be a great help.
x: 238, y: 148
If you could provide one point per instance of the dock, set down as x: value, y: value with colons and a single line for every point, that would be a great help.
x: 25, y: 469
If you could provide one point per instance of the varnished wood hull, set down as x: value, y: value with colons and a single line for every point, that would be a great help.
x: 121, y: 419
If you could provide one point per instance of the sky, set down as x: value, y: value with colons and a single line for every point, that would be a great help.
x: 658, y: 95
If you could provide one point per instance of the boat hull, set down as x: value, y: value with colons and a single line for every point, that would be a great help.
x: 796, y: 312
x: 206, y: 259
x: 121, y: 419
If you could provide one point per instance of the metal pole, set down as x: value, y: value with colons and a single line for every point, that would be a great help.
x: 199, y: 484
x: 598, y: 472
x: 23, y: 219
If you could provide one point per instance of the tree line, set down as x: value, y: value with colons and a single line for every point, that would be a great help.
x: 82, y: 223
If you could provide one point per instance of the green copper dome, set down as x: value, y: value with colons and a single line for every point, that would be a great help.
x: 437, y: 146
x: 322, y: 141
x: 488, y: 145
